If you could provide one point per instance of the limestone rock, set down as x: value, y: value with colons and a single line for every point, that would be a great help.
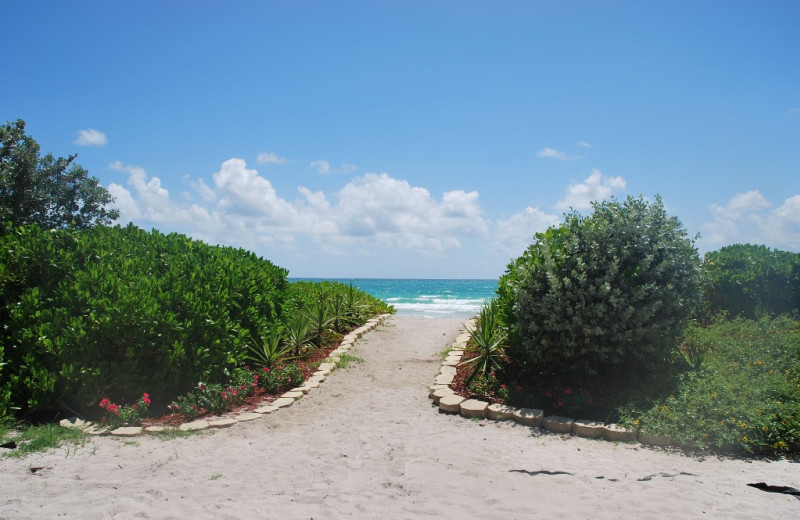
x: 651, y: 439
x: 500, y: 412
x: 451, y: 403
x: 222, y: 423
x: 200, y: 424
x: 614, y: 432
x: 474, y: 408
x: 282, y: 401
x: 558, y: 424
x: 127, y: 431
x: 528, y: 416
x: 587, y: 429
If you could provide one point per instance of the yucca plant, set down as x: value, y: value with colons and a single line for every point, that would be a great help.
x: 271, y: 350
x: 297, y: 333
x: 489, y: 338
x: 320, y: 318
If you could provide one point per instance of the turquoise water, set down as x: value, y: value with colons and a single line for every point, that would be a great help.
x: 428, y: 298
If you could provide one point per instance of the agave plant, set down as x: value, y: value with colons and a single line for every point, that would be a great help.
x: 297, y: 333
x: 354, y: 304
x: 490, y: 340
x: 320, y: 321
x: 270, y: 350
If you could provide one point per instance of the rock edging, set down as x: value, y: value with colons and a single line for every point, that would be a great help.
x: 266, y: 407
x: 449, y: 402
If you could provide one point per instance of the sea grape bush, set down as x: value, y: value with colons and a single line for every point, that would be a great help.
x: 112, y: 311
x: 749, y: 281
x: 601, y: 298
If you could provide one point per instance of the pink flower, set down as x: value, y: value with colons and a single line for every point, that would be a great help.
x: 133, y: 406
x: 559, y: 404
x: 104, y: 402
x: 146, y: 399
x: 548, y: 394
x: 224, y: 395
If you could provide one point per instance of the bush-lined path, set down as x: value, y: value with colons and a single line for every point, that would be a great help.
x: 369, y: 444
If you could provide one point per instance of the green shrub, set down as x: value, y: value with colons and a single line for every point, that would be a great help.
x: 602, y: 299
x: 750, y: 281
x: 746, y: 397
x: 113, y: 312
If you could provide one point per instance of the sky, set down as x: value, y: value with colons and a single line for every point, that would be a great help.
x: 415, y: 139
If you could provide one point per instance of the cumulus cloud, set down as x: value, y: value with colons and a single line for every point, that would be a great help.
x: 596, y: 187
x: 325, y: 168
x: 270, y: 158
x: 242, y: 207
x: 514, y: 234
x: 750, y: 218
x: 91, y: 137
x: 552, y: 153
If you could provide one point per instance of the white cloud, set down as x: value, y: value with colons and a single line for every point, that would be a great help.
x: 794, y: 111
x: 270, y: 158
x: 747, y: 218
x: 596, y: 187
x: 242, y: 208
x: 551, y: 153
x: 325, y: 168
x: 514, y: 234
x: 583, y: 144
x: 243, y: 191
x: 91, y: 137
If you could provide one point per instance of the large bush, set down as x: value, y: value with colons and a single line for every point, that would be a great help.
x: 602, y: 298
x: 114, y: 312
x: 749, y: 281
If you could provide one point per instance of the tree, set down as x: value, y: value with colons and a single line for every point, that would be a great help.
x: 50, y: 192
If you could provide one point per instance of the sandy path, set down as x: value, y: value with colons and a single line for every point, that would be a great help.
x: 368, y: 444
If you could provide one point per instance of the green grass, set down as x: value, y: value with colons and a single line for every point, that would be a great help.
x: 744, y: 397
x: 346, y: 361
x: 33, y: 439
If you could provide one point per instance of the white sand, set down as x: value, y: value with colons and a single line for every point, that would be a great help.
x: 369, y: 444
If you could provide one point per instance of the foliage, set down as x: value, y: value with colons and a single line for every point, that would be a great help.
x: 131, y: 415
x: 601, y: 298
x: 270, y: 350
x: 488, y: 343
x: 751, y: 281
x: 282, y: 377
x: 116, y: 311
x: 50, y: 192
x: 487, y: 385
x: 746, y: 397
x: 216, y: 398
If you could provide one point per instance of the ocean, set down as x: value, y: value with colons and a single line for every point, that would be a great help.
x: 426, y: 298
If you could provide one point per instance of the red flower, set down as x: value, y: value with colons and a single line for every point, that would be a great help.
x: 503, y: 386
x: 104, y: 402
x: 224, y: 395
x: 568, y: 391
x: 133, y: 406
x: 548, y: 394
x: 559, y: 404
x: 146, y: 399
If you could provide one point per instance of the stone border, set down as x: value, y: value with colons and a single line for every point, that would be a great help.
x: 266, y: 407
x: 450, y: 402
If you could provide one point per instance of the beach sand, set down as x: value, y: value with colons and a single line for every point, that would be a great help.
x: 370, y: 444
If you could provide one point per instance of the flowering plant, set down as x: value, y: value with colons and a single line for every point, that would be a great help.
x: 214, y: 397
x: 282, y: 377
x: 488, y: 386
x: 116, y: 415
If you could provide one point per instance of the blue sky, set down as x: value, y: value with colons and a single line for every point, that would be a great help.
x: 415, y: 138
